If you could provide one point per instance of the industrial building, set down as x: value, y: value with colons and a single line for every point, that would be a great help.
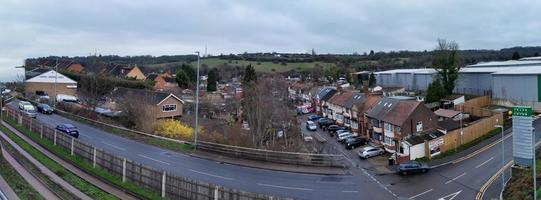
x: 515, y: 82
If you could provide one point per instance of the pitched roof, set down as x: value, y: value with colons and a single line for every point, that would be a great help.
x: 152, y: 76
x: 170, y: 79
x: 367, y: 104
x: 51, y: 77
x: 341, y: 98
x: 152, y: 96
x: 325, y: 93
x: 393, y: 110
x: 356, y: 98
x: 446, y: 113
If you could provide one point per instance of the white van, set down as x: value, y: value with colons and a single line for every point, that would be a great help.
x: 66, y: 98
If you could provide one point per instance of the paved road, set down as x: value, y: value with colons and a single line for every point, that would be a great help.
x: 301, y: 186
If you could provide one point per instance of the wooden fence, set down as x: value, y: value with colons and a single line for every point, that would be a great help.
x: 159, y: 181
x: 479, y: 102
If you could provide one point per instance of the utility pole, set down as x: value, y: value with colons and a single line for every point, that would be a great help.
x: 55, y: 80
x: 197, y: 101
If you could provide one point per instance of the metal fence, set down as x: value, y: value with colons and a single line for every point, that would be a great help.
x: 323, y: 160
x: 162, y: 182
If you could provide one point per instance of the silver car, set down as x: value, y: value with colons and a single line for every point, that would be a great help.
x: 368, y: 152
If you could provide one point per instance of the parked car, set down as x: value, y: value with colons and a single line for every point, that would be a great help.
x: 345, y: 137
x: 334, y: 128
x: 45, y: 108
x: 324, y: 122
x: 311, y: 126
x: 354, y: 142
x: 336, y: 133
x: 368, y: 152
x: 68, y: 129
x: 28, y: 109
x: 314, y: 117
x: 411, y: 166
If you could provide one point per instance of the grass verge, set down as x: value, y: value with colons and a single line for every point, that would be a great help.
x: 77, y: 161
x: 22, y: 188
x: 463, y: 147
x: 520, y: 186
x: 76, y: 181
x: 166, y: 144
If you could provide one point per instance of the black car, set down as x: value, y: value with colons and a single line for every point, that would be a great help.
x: 333, y: 128
x: 68, y: 129
x: 45, y: 109
x: 313, y: 117
x: 354, y: 142
x: 410, y: 167
x: 324, y: 122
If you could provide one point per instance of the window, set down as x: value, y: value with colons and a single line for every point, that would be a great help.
x: 169, y: 108
x: 419, y: 126
x: 389, y: 141
x: 388, y: 127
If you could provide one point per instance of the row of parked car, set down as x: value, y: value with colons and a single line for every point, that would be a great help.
x: 30, y: 110
x: 343, y: 135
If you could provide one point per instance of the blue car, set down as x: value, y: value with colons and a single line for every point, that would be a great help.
x: 68, y: 129
x: 313, y: 117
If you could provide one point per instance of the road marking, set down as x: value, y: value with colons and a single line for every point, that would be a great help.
x: 452, y: 196
x: 213, y: 175
x: 454, y: 179
x: 481, y: 192
x: 350, y: 191
x: 114, y: 146
x: 482, y: 149
x: 379, y: 183
x: 153, y: 159
x: 334, y: 182
x: 484, y: 162
x: 285, y: 187
x: 413, y: 197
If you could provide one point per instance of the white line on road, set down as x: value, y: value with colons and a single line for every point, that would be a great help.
x: 114, y: 146
x: 350, y: 191
x: 153, y: 159
x: 284, y: 187
x: 413, y: 197
x: 484, y: 162
x: 217, y: 176
x: 454, y: 179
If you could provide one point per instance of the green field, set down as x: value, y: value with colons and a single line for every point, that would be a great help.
x: 259, y: 66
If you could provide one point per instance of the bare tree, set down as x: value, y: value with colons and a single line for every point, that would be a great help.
x: 139, y: 112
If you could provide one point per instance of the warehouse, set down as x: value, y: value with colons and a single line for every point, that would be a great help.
x: 476, y: 81
x: 518, y: 86
x: 410, y: 79
x: 51, y: 83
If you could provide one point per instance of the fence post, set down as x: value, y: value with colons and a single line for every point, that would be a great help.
x: 54, y: 138
x: 72, y: 141
x: 20, y: 119
x: 216, y: 192
x: 41, y: 131
x: 124, y: 170
x: 163, y: 184
x: 94, y: 158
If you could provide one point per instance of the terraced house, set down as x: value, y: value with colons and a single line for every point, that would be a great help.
x: 395, y: 119
x: 321, y: 98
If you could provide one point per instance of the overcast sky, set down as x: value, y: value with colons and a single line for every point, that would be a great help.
x: 158, y: 27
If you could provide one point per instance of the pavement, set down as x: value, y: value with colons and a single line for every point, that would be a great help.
x: 278, y: 183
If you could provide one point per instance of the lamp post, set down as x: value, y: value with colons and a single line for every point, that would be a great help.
x: 55, y: 80
x: 503, y: 157
x: 197, y: 102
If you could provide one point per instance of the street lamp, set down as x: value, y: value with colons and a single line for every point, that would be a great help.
x: 55, y: 80
x: 503, y: 157
x: 196, y: 102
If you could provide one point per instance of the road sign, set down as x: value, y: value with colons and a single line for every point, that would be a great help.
x: 522, y: 135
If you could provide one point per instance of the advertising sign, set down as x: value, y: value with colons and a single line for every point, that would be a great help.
x: 522, y: 135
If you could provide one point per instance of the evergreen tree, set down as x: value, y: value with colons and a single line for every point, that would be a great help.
x: 516, y: 56
x: 212, y: 79
x: 249, y: 74
x: 183, y: 80
x: 190, y: 72
x: 435, y: 91
x: 372, y: 80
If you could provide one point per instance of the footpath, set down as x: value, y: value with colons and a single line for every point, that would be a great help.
x: 95, y: 181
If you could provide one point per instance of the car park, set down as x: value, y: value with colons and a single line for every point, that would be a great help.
x: 324, y: 122
x: 334, y: 128
x: 411, y: 166
x: 311, y: 126
x: 314, y: 117
x: 354, y: 142
x: 68, y: 129
x: 45, y: 108
x: 368, y: 152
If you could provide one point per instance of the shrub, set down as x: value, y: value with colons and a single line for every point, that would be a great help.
x: 173, y: 129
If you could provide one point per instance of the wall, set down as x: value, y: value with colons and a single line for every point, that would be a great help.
x: 417, y: 151
x: 515, y: 87
x: 421, y: 81
x: 474, y: 83
x: 61, y: 88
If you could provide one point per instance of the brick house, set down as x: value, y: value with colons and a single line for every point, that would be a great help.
x: 163, y: 105
x: 162, y: 82
x: 125, y: 71
x: 360, y: 109
x: 45, y: 82
x: 394, y: 119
